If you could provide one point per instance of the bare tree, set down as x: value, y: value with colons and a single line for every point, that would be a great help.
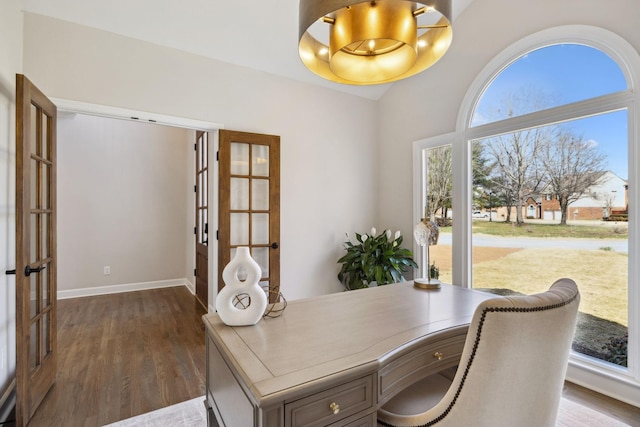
x: 518, y: 170
x: 572, y: 165
x: 439, y: 180
x: 609, y: 201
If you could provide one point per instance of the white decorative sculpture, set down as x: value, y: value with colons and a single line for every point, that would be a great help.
x: 241, y: 303
x: 426, y: 233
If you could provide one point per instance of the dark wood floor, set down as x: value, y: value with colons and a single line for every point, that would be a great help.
x: 125, y: 354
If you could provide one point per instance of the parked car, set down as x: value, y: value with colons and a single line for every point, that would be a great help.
x: 479, y: 214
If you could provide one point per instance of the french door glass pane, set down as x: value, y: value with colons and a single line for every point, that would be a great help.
x: 260, y: 229
x: 239, y: 194
x: 533, y: 222
x: 437, y: 200
x: 239, y: 158
x: 261, y: 255
x: 33, y: 345
x: 45, y: 344
x: 44, y: 244
x: 33, y: 171
x: 200, y: 195
x: 260, y: 160
x: 260, y: 194
x: 35, y: 144
x: 45, y: 286
x: 201, y: 220
x: 45, y: 152
x: 46, y: 178
x: 33, y: 248
x: 33, y: 295
x: 205, y: 194
x: 239, y: 229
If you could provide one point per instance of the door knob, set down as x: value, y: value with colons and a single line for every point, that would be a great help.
x: 275, y: 245
x: 28, y: 270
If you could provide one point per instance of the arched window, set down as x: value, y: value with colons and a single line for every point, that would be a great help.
x: 548, y: 77
x: 546, y: 145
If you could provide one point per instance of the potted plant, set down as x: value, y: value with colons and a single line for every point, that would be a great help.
x: 373, y: 258
x: 434, y: 271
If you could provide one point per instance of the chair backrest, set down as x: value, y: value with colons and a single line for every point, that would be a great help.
x: 514, y: 361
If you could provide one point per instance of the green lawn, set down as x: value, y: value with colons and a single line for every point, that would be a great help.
x: 600, y: 274
x: 529, y: 229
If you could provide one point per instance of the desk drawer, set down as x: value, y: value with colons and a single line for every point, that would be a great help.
x: 417, y: 364
x: 332, y: 405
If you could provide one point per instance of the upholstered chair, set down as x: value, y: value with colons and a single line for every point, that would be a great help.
x: 511, y: 372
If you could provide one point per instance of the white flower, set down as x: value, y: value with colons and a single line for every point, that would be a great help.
x: 388, y: 234
x: 373, y: 231
x: 364, y: 238
x: 398, y: 234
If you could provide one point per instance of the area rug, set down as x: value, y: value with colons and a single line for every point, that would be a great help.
x: 192, y: 414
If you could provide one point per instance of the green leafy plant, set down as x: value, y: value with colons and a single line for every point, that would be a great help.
x: 616, y: 350
x: 434, y: 271
x: 374, y: 258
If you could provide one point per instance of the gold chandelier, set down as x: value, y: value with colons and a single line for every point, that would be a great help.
x: 372, y: 42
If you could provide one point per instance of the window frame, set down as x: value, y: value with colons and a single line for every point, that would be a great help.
x: 618, y: 382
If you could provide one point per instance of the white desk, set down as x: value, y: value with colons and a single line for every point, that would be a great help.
x: 334, y: 359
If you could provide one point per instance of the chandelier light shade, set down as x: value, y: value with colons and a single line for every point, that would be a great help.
x: 372, y: 42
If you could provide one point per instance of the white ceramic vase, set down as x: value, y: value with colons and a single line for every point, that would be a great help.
x: 252, y: 297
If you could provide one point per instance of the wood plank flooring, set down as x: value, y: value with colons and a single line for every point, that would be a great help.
x: 620, y: 411
x: 125, y: 354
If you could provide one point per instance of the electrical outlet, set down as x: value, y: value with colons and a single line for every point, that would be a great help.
x: 107, y: 270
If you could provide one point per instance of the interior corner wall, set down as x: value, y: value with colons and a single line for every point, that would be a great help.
x: 427, y: 105
x: 10, y: 64
x: 125, y: 202
x: 329, y: 139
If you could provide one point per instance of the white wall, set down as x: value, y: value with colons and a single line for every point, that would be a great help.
x: 10, y: 64
x: 431, y: 100
x: 125, y: 200
x: 328, y: 143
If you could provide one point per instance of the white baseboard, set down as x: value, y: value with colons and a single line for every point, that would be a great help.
x: 7, y: 401
x: 129, y: 287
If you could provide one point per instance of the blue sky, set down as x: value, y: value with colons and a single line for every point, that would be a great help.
x: 563, y: 74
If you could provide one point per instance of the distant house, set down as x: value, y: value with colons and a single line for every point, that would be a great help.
x: 607, y: 197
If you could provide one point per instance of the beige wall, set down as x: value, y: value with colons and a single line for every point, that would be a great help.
x: 431, y: 100
x: 10, y: 64
x: 328, y: 141
x: 125, y: 200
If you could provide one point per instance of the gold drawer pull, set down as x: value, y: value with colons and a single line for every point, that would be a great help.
x: 334, y: 407
x: 438, y: 355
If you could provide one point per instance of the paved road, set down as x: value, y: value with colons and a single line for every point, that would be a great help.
x: 532, y: 242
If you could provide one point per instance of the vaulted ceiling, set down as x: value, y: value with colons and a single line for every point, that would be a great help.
x: 259, y: 34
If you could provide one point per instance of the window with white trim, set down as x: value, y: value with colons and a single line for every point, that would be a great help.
x: 544, y: 158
